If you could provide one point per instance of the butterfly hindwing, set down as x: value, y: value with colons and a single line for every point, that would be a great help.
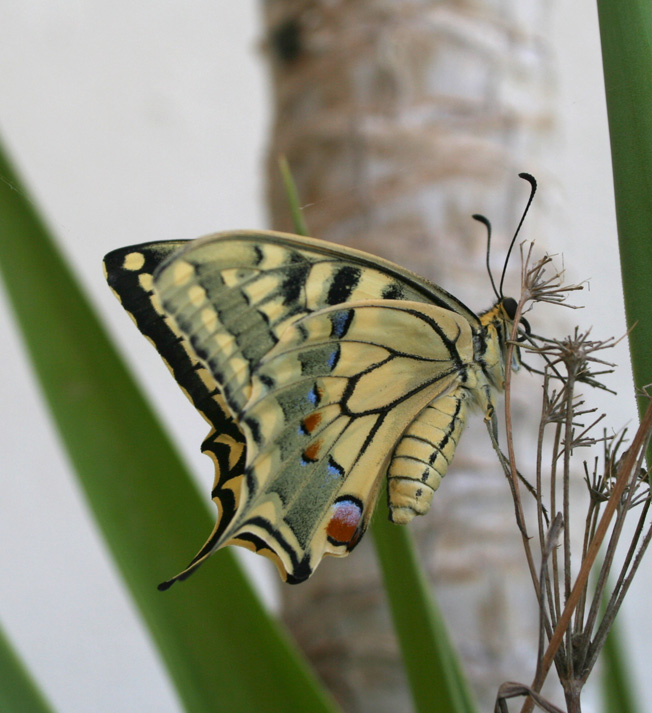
x: 329, y: 404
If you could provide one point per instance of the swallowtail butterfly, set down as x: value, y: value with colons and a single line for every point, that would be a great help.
x: 324, y: 373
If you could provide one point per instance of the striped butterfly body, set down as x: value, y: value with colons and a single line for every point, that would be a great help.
x: 322, y: 371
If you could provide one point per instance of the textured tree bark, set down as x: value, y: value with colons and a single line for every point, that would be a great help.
x: 400, y: 119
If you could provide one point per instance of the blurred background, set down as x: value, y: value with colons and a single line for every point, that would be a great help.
x: 148, y: 121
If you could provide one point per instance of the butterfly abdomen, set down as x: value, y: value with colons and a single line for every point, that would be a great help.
x: 423, y: 455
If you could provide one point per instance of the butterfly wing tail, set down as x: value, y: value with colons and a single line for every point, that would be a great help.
x: 198, y: 560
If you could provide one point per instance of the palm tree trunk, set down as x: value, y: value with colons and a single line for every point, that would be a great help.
x: 399, y: 120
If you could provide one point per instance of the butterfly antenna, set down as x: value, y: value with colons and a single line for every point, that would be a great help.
x: 487, y: 225
x: 533, y: 189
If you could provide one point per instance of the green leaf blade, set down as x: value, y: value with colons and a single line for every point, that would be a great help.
x: 298, y: 220
x: 431, y: 662
x: 617, y: 689
x: 18, y: 691
x: 626, y: 36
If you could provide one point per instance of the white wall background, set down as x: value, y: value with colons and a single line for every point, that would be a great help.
x: 147, y: 121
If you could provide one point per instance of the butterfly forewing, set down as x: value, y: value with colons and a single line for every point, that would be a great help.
x: 336, y: 369
x: 129, y: 272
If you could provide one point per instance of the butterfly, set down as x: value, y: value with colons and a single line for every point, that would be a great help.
x: 323, y: 372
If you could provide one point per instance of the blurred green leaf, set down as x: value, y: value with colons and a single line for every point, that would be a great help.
x: 626, y: 36
x: 300, y: 226
x: 18, y: 692
x: 617, y: 691
x: 222, y: 649
x: 431, y: 661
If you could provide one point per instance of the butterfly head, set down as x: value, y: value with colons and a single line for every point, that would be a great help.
x: 497, y: 326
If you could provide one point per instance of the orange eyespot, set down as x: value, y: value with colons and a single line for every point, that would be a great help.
x: 342, y: 527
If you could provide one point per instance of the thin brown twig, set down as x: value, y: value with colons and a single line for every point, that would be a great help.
x: 547, y: 549
x: 613, y: 608
x: 610, y: 553
x: 553, y: 505
x: 632, y: 549
x: 568, y: 439
x: 628, y: 570
x: 512, y: 475
x: 551, y: 612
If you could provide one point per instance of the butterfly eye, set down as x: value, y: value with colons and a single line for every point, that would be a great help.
x: 510, y: 305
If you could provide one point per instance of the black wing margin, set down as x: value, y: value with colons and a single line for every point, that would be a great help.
x: 129, y: 274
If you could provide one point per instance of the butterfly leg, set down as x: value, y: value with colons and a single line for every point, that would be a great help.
x: 423, y: 455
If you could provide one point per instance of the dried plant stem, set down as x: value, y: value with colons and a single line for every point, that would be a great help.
x: 609, y: 557
x: 547, y: 548
x: 568, y: 439
x: 632, y: 548
x: 620, y: 590
x: 510, y: 689
x: 550, y: 591
x: 566, y: 619
x: 512, y: 472
x: 630, y: 464
x: 553, y: 507
x: 590, y: 524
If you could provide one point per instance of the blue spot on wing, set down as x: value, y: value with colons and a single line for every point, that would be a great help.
x: 333, y: 358
x: 334, y: 468
x: 313, y: 395
x: 341, y: 322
